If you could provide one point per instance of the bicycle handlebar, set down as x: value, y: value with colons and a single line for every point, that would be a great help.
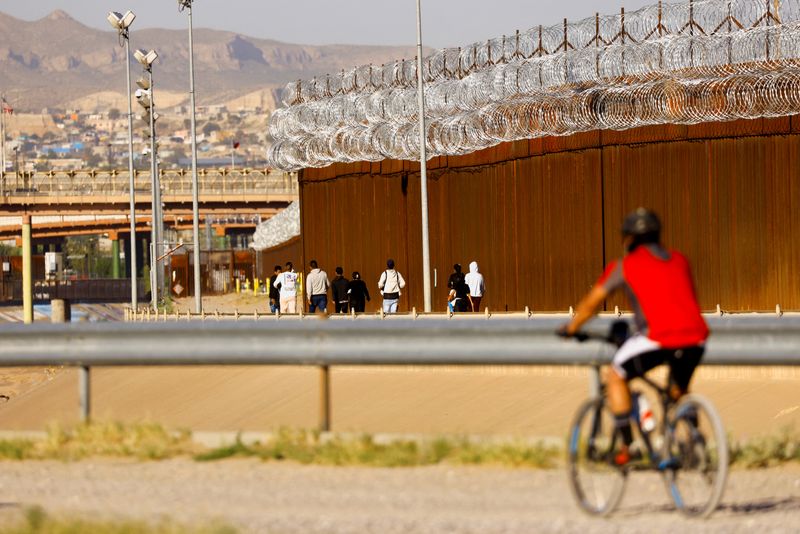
x: 583, y: 336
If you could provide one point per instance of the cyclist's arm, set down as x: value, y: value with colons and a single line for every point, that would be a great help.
x: 587, y: 307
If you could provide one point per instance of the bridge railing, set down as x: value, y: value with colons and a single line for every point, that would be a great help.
x: 737, y: 340
x: 173, y: 182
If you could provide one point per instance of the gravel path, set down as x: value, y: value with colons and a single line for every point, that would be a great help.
x: 284, y: 498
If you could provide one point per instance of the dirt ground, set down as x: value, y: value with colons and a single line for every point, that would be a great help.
x: 283, y: 498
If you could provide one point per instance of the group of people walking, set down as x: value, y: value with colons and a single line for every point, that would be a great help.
x: 347, y: 294
x: 466, y: 292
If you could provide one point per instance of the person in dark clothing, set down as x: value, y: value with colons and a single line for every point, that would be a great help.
x: 274, y: 292
x: 457, y: 282
x: 358, y: 293
x: 339, y: 285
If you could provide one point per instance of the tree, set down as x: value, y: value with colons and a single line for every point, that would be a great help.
x: 113, y: 114
x: 210, y: 127
x: 84, y: 256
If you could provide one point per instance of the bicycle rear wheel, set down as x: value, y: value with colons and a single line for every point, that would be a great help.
x: 698, y: 449
x: 596, y: 482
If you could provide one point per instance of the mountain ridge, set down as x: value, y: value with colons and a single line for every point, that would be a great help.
x: 76, y: 60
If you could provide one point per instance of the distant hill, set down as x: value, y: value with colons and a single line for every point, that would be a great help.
x: 57, y: 60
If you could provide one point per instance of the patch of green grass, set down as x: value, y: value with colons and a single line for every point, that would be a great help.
x: 311, y: 448
x: 16, y: 449
x: 144, y: 441
x: 166, y: 305
x: 767, y: 451
x: 36, y: 521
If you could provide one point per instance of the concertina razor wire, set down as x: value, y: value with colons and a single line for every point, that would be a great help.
x: 278, y: 229
x: 686, y: 63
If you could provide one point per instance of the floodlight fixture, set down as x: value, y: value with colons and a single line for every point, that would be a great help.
x: 143, y: 98
x: 119, y: 21
x: 146, y: 58
x: 143, y: 83
x: 183, y: 4
x: 146, y: 118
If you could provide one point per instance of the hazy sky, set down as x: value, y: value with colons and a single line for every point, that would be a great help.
x: 390, y: 22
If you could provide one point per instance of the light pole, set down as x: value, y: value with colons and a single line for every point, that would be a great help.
x: 146, y: 99
x: 423, y: 171
x: 198, y: 300
x: 122, y: 24
x: 2, y: 143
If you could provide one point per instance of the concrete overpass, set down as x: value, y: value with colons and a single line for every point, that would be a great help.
x: 92, y: 202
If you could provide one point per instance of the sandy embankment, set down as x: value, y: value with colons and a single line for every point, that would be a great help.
x: 524, y: 401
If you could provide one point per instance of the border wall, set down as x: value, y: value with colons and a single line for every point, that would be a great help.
x: 542, y: 216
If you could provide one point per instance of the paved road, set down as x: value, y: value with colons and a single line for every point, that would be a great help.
x: 288, y: 499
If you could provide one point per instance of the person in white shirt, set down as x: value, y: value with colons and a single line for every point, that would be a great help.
x: 390, y: 283
x: 286, y: 282
x: 476, y: 286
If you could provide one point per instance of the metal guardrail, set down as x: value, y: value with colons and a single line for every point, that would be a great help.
x: 739, y: 340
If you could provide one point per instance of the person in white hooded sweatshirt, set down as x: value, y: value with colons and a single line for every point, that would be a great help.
x: 474, y: 280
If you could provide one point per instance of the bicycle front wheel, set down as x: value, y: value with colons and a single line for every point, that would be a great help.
x: 596, y: 482
x: 698, y: 452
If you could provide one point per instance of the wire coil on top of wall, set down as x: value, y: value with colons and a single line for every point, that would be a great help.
x: 698, y: 61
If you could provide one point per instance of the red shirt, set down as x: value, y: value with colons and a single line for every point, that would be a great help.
x: 661, y: 291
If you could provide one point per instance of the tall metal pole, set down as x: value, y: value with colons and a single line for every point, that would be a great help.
x: 27, y: 270
x: 2, y: 145
x: 423, y: 170
x: 132, y: 177
x: 153, y: 198
x: 198, y: 300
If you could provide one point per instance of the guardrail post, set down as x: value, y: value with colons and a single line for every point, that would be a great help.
x: 594, y: 382
x: 324, y: 399
x: 84, y: 387
x: 60, y: 311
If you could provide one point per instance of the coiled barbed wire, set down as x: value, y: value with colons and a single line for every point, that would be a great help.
x: 697, y: 61
x: 278, y: 229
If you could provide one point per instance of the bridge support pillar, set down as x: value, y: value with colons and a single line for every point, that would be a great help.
x: 27, y: 270
x: 115, y: 265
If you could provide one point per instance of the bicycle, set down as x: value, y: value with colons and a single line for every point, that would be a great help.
x: 688, y: 446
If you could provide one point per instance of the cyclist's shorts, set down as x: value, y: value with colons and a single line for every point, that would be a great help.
x: 639, y: 354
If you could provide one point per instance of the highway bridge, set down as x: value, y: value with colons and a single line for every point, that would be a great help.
x: 93, y: 201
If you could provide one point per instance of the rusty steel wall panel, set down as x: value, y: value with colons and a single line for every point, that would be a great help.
x: 542, y: 217
x: 730, y: 204
x: 279, y: 255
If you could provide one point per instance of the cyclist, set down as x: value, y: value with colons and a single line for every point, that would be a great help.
x: 669, y: 326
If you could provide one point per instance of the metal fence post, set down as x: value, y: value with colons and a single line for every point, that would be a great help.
x: 324, y: 399
x: 84, y: 387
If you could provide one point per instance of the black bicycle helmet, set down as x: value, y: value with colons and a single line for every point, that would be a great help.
x: 641, y: 222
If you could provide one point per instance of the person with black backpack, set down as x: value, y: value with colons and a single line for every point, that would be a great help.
x: 390, y: 283
x: 457, y: 282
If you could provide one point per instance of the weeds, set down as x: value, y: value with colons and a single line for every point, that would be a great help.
x: 767, y: 451
x: 36, y: 521
x: 311, y: 448
x: 150, y: 441
x: 144, y: 441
